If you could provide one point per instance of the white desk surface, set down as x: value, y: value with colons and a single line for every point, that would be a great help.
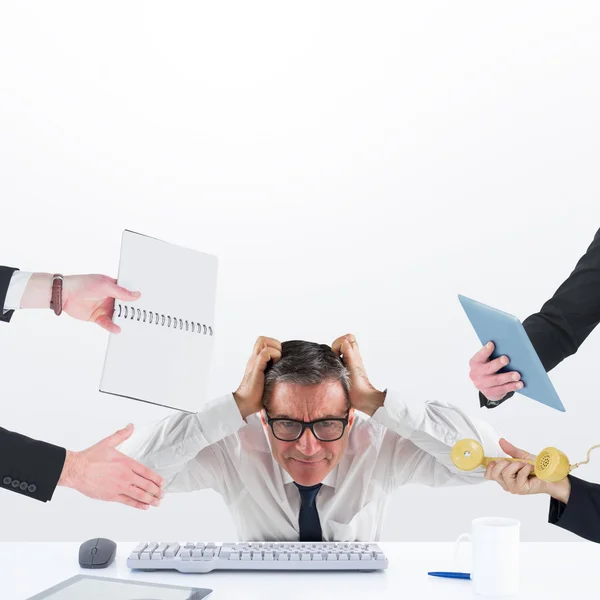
x: 548, y: 570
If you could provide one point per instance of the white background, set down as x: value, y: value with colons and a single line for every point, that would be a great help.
x: 353, y: 165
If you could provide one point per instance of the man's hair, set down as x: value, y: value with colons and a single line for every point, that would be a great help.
x: 306, y: 363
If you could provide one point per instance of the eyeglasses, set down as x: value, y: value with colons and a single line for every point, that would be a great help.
x: 325, y: 430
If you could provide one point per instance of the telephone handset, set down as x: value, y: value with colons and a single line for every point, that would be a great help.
x: 549, y: 465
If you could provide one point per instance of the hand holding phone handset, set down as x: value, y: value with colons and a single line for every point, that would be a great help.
x: 550, y: 464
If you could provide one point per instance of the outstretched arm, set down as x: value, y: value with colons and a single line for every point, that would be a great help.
x: 424, y: 432
x: 84, y: 297
x: 556, y: 331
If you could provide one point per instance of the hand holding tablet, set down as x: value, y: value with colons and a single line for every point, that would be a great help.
x: 485, y: 373
x: 510, y: 339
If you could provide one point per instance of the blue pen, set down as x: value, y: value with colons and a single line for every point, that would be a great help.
x: 450, y: 575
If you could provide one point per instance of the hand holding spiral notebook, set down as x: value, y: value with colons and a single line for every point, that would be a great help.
x: 163, y: 352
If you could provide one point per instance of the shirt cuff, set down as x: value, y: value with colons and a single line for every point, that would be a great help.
x: 400, y: 414
x: 16, y: 289
x: 224, y: 413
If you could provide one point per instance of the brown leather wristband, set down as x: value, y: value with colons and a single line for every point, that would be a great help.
x: 56, y: 302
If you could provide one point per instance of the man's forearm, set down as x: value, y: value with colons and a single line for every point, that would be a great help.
x: 68, y: 476
x: 245, y: 408
x: 38, y: 291
x: 435, y: 426
x: 561, y: 490
x: 371, y: 403
x: 167, y: 445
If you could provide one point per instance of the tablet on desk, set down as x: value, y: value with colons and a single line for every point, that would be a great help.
x: 510, y: 339
x: 86, y: 587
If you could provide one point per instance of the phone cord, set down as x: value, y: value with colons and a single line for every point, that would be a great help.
x: 587, y: 460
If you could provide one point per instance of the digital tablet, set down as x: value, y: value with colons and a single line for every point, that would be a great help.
x: 510, y: 339
x: 87, y: 587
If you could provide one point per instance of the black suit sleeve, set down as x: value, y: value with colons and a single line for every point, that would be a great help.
x: 29, y: 467
x: 581, y: 515
x: 5, y: 276
x: 566, y: 320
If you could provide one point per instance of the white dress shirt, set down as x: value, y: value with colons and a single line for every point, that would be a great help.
x: 405, y: 441
x: 15, y: 291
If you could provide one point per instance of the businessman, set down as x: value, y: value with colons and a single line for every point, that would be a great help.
x: 34, y: 468
x: 574, y: 503
x: 290, y: 454
x: 556, y: 332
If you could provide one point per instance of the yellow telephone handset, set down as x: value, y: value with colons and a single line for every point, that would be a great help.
x: 550, y: 464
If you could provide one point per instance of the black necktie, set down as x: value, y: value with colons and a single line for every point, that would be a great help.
x: 310, y: 526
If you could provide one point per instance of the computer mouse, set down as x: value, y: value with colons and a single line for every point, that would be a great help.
x: 97, y: 553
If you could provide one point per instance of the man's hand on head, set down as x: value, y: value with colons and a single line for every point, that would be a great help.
x: 363, y: 395
x: 249, y: 394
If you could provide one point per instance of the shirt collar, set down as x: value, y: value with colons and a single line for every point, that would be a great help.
x: 329, y: 480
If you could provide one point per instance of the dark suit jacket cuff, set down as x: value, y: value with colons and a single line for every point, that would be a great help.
x: 34, y: 464
x: 581, y: 514
x: 52, y: 464
x: 6, y: 274
x: 484, y: 402
x: 7, y: 316
x: 556, y: 512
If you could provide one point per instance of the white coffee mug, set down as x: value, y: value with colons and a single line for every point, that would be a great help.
x: 495, y: 549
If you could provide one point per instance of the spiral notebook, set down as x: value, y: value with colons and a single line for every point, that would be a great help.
x: 164, y: 350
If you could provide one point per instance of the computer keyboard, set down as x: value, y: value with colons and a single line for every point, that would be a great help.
x: 202, y: 557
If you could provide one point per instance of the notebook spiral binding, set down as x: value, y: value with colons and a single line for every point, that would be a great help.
x: 122, y: 311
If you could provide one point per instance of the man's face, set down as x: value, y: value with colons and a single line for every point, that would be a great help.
x: 307, y: 459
